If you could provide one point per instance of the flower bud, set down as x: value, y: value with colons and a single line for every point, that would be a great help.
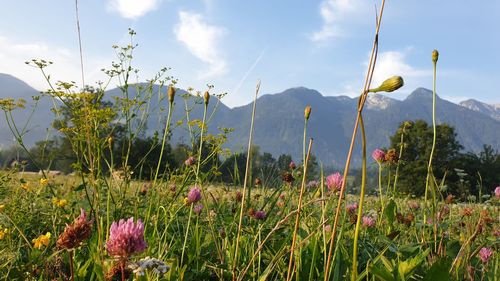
x: 171, y: 94
x: 307, y: 112
x: 435, y: 56
x: 389, y: 85
x: 206, y: 97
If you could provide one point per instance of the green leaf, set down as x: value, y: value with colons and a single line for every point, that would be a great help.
x: 381, y: 273
x: 390, y: 211
x: 439, y: 271
x: 406, y: 267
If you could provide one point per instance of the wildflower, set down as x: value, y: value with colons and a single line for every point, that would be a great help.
x: 292, y: 165
x: 190, y: 161
x: 212, y: 214
x: 287, y: 177
x: 194, y: 195
x: 75, y: 233
x: 25, y: 186
x: 258, y: 182
x: 198, y: 208
x: 307, y: 112
x: 497, y: 192
x: 389, y: 85
x: 414, y: 205
x: 42, y: 240
x: 351, y: 208
x: 126, y: 238
x: 312, y: 184
x: 144, y: 188
x: 378, y: 155
x: 2, y: 207
x: 280, y: 204
x: 391, y: 156
x: 155, y: 265
x: 259, y: 215
x: 44, y: 181
x: 334, y: 181
x: 3, y: 232
x: 485, y: 254
x: 368, y: 221
x: 59, y: 202
x: 115, y: 273
x: 238, y: 196
x: 467, y: 212
x: 449, y: 199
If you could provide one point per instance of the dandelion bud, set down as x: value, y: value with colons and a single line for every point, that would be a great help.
x: 307, y: 112
x: 435, y: 56
x: 389, y: 85
x: 206, y: 97
x: 171, y: 94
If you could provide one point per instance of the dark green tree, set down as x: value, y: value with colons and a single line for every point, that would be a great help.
x: 417, y: 146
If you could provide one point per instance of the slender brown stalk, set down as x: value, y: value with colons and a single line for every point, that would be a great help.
x: 247, y: 170
x: 71, y: 266
x: 297, y: 218
x: 368, y: 79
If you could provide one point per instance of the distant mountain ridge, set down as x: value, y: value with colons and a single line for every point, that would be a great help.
x: 279, y: 120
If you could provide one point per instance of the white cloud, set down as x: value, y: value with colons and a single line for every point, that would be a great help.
x: 202, y: 40
x: 66, y: 67
x: 333, y: 13
x: 132, y: 9
x: 392, y: 63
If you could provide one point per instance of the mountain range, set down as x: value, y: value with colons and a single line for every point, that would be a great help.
x: 279, y: 120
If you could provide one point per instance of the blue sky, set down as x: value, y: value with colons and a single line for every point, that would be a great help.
x: 231, y: 44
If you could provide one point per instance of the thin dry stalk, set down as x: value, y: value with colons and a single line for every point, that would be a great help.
x: 297, y: 218
x: 368, y: 79
x: 275, y: 228
x: 247, y: 170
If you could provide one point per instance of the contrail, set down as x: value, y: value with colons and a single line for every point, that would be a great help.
x: 237, y: 88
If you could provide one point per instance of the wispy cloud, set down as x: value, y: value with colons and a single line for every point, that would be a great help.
x: 333, y: 13
x: 392, y: 63
x: 133, y: 9
x: 202, y: 40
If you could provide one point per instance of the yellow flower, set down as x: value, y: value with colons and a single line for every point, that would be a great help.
x: 59, y: 202
x: 186, y: 201
x: 2, y: 207
x: 3, y: 232
x: 44, y: 181
x: 25, y: 186
x: 42, y: 240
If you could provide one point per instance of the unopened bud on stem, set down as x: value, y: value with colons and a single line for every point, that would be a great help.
x: 307, y: 112
x: 389, y: 85
x: 435, y: 56
x: 206, y: 97
x: 171, y: 94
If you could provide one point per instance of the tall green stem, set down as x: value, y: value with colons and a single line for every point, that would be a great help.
x: 186, y: 235
x: 429, y: 167
x: 354, y: 273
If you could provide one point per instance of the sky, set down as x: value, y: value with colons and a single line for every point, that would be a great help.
x: 323, y: 45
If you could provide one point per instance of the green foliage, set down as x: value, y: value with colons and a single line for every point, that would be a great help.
x: 416, y: 150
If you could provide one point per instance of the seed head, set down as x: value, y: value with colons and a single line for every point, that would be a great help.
x: 389, y: 85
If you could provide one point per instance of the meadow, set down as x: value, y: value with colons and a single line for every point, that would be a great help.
x: 106, y: 221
